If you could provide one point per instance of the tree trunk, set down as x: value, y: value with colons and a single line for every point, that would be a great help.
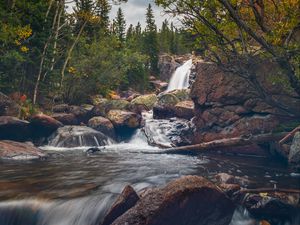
x: 228, y: 142
x: 70, y: 53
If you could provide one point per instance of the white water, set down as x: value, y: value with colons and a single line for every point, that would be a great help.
x: 180, y: 78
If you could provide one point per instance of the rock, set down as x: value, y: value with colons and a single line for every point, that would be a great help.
x: 225, y: 178
x: 8, y: 107
x: 82, y: 114
x: 66, y: 118
x: 19, y: 151
x: 189, y: 200
x: 168, y: 100
x: 167, y: 66
x: 103, y: 125
x: 294, y: 154
x: 125, y: 201
x: 159, y: 85
x: 97, y: 99
x: 274, y: 207
x: 184, y: 110
x: 106, y: 105
x: 12, y: 128
x: 124, y: 119
x: 43, y: 125
x: 147, y: 100
x: 226, y: 105
x: 77, y: 136
x: 165, y: 107
x: 62, y: 108
x: 181, y: 94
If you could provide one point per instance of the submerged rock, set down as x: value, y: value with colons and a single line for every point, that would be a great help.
x: 12, y: 128
x: 189, y: 200
x: 103, y: 125
x: 125, y: 201
x: 19, y: 151
x: 76, y: 136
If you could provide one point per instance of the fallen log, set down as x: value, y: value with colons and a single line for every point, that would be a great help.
x: 289, y: 136
x: 270, y: 190
x: 228, y: 142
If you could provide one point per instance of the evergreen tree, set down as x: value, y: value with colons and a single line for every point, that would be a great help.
x: 150, y: 42
x: 165, y: 37
x: 102, y: 10
x: 120, y: 26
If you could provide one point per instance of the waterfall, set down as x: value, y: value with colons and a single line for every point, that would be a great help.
x: 180, y: 78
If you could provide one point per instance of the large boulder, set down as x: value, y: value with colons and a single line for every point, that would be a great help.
x: 66, y: 118
x: 165, y: 107
x: 294, y: 154
x: 125, y: 201
x: 43, y: 125
x: 189, y: 200
x: 8, y: 107
x: 103, y: 125
x: 227, y: 106
x: 77, y: 136
x: 19, y: 151
x: 124, y: 119
x: 147, y: 100
x: 12, y: 128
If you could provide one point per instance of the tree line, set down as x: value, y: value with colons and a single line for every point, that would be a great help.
x: 50, y: 53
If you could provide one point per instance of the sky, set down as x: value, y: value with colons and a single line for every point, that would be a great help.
x: 135, y: 10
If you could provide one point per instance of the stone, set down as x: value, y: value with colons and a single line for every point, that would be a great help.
x: 103, y: 125
x: 12, y: 128
x: 106, y: 105
x: 168, y: 100
x: 163, y: 112
x: 78, y: 136
x: 147, y: 100
x: 294, y: 154
x: 124, y: 119
x: 225, y: 178
x: 181, y: 94
x: 12, y: 150
x: 184, y: 109
x: 43, y: 125
x: 82, y: 114
x: 125, y: 201
x: 189, y: 200
x: 61, y: 108
x: 66, y: 118
x: 8, y: 107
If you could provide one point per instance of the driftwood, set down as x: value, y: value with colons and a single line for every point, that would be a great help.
x: 228, y: 142
x: 268, y: 190
x: 289, y: 136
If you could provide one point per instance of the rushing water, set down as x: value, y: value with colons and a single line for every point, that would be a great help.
x: 180, y: 78
x: 75, y: 188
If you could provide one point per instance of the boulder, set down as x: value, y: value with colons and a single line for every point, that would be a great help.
x: 106, y: 105
x: 78, y: 136
x: 19, y: 151
x: 103, y: 125
x: 82, y: 114
x: 165, y: 107
x: 184, y: 109
x: 8, y: 107
x: 294, y: 154
x: 66, y: 118
x: 182, y: 94
x: 227, y: 106
x: 124, y: 119
x: 125, y: 201
x: 167, y: 66
x: 97, y: 99
x: 43, y: 125
x: 225, y: 178
x: 147, y: 100
x: 189, y: 200
x: 61, y: 108
x: 12, y: 128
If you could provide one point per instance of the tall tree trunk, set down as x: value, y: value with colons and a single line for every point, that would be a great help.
x: 70, y: 53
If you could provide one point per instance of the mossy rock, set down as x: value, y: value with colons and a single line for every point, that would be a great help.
x: 182, y: 94
x: 168, y: 100
x: 147, y: 100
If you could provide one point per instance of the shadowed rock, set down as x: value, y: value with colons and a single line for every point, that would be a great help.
x: 12, y: 128
x: 191, y: 200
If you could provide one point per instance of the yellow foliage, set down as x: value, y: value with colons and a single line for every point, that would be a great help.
x: 24, y: 49
x: 72, y: 70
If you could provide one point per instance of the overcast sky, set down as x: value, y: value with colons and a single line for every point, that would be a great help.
x: 135, y: 11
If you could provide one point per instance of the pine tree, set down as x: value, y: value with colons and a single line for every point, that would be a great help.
x: 102, y: 10
x: 151, y: 43
x: 120, y: 26
x: 165, y: 37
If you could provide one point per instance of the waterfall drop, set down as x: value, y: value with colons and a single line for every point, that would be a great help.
x: 180, y: 78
